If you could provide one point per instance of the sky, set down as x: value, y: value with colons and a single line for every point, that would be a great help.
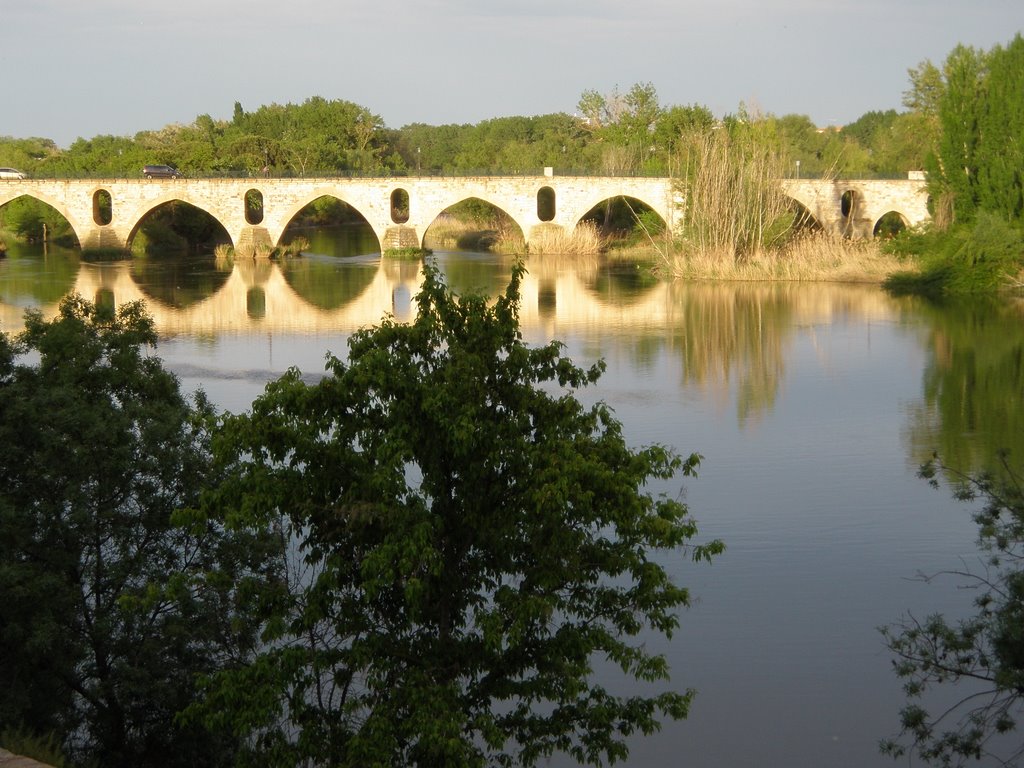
x: 71, y: 69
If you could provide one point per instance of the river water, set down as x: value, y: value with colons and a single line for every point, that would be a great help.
x: 813, y: 406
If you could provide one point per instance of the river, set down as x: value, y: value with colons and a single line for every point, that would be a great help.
x: 813, y: 406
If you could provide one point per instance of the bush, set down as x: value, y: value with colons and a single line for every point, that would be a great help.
x: 982, y: 257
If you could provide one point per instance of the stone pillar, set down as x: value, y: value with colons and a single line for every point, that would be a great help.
x: 102, y: 237
x: 400, y: 236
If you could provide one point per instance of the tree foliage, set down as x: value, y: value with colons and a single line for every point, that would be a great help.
x: 982, y: 655
x: 102, y: 626
x: 977, y: 165
x: 467, y: 541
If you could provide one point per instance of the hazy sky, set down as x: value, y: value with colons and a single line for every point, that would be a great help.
x: 81, y: 68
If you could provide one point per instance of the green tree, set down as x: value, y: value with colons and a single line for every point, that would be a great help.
x: 953, y: 171
x: 981, y: 655
x: 623, y: 124
x: 468, y: 539
x: 103, y: 623
x: 1000, y: 153
x: 974, y: 174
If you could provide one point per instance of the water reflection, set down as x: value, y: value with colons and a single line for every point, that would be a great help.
x: 621, y: 282
x: 972, y: 407
x: 732, y: 341
x: 34, y: 275
x: 346, y: 240
x: 329, y: 283
x: 180, y: 281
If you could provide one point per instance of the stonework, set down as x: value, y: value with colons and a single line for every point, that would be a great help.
x: 518, y: 196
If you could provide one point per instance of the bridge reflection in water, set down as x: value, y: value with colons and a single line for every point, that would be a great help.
x: 558, y: 295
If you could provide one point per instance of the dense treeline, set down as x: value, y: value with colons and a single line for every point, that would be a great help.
x: 973, y: 110
x: 629, y: 132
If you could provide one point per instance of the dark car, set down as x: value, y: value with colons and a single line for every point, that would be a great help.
x: 161, y: 172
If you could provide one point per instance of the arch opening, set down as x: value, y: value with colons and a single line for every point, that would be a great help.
x: 399, y: 206
x: 848, y: 203
x: 253, y: 206
x: 804, y: 222
x: 476, y: 225
x: 177, y: 227
x: 33, y: 221
x: 618, y: 222
x: 889, y: 225
x: 546, y: 209
x: 102, y: 207
x: 331, y: 227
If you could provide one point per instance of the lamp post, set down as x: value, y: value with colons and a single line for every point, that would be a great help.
x: 798, y: 169
x: 417, y: 159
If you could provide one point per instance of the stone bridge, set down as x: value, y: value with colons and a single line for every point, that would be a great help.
x: 853, y: 207
x: 107, y: 212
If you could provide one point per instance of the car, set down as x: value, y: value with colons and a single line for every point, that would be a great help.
x: 161, y: 172
x: 11, y: 173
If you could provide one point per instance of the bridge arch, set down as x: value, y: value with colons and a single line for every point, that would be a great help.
x: 634, y: 208
x: 518, y: 208
x: 486, y: 235
x: 296, y: 206
x: 293, y: 211
x: 889, y: 224
x: 77, y: 228
x: 139, y: 217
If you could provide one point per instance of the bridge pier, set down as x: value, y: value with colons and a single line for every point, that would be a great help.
x: 251, y: 238
x: 400, y: 236
x: 102, y: 236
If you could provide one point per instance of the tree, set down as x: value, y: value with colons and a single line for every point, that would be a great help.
x: 103, y: 628
x: 982, y: 655
x: 953, y: 172
x: 468, y: 540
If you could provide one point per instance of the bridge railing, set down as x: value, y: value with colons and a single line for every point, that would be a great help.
x: 445, y: 173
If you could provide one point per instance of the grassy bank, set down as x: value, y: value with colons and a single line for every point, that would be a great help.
x: 984, y: 256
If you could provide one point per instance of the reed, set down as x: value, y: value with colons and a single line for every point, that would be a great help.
x: 733, y: 198
x: 586, y: 239
x: 295, y: 247
x: 810, y: 258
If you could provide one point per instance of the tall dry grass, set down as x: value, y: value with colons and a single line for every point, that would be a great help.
x: 737, y: 224
x: 811, y: 258
x: 585, y: 240
x: 733, y: 198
